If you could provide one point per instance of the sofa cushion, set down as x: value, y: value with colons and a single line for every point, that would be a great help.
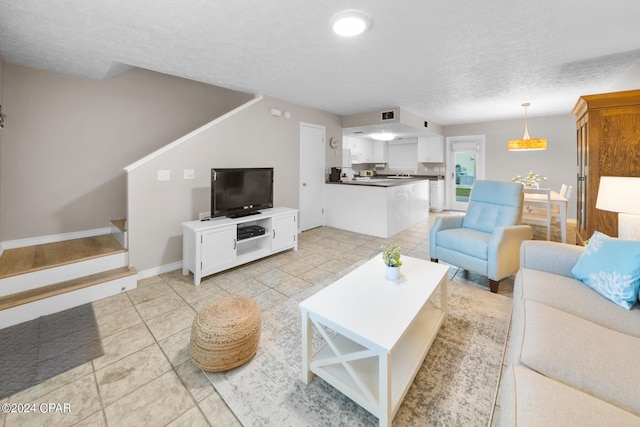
x: 582, y: 354
x: 572, y: 296
x: 466, y: 241
x: 611, y: 267
x: 536, y: 400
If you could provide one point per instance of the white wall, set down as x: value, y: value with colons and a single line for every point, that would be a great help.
x: 67, y: 138
x: 557, y: 162
x: 252, y: 137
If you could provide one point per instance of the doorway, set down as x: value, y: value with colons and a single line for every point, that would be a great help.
x: 465, y: 164
x: 312, y: 176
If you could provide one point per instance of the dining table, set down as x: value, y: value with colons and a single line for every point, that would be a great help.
x: 556, y: 200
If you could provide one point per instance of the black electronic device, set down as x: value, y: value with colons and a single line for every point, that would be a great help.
x: 236, y: 192
x: 249, y: 231
x: 334, y: 176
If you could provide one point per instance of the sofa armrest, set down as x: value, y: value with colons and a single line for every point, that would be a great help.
x: 442, y: 222
x: 553, y: 257
x: 504, y: 248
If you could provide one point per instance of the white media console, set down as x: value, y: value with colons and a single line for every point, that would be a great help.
x: 209, y: 247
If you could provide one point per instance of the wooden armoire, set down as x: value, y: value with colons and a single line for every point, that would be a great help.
x: 608, y: 136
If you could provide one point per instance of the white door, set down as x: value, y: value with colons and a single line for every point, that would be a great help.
x: 465, y: 164
x: 312, y: 176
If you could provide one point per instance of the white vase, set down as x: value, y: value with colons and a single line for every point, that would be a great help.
x: 392, y: 273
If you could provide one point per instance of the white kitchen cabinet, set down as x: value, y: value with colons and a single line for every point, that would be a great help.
x: 346, y: 158
x: 380, y: 152
x: 367, y: 151
x: 436, y: 195
x: 377, y: 210
x: 209, y: 247
x: 431, y: 149
x: 361, y: 149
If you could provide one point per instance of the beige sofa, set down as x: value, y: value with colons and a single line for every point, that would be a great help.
x: 573, y: 357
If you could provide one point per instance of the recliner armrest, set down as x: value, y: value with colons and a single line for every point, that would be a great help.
x: 505, y: 246
x: 442, y: 222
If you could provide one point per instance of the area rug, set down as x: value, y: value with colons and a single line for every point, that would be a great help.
x: 456, y: 385
x: 34, y: 351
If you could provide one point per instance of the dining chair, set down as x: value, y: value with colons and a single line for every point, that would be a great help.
x: 563, y: 189
x: 537, y: 209
x: 567, y: 194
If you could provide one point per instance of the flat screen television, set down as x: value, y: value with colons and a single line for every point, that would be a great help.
x: 237, y: 192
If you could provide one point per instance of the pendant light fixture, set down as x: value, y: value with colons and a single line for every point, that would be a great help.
x: 527, y: 143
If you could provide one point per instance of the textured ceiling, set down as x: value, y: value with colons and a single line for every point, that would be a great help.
x: 451, y: 61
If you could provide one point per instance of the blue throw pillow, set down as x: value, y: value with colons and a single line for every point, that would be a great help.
x: 611, y: 267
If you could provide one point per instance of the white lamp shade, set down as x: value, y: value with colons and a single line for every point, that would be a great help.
x: 619, y: 194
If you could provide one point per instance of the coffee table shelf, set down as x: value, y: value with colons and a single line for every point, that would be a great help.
x: 373, y: 366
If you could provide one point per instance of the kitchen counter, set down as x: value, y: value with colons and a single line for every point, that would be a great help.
x: 382, y: 181
x: 377, y: 207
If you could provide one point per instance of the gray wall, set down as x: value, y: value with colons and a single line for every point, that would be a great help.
x: 66, y: 140
x: 2, y: 65
x: 252, y: 137
x: 557, y: 162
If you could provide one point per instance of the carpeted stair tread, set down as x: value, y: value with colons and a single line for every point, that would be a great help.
x: 48, y: 291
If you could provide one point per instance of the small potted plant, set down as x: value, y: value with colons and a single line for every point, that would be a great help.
x: 391, y: 258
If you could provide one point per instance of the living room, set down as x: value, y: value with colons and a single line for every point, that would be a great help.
x: 68, y: 138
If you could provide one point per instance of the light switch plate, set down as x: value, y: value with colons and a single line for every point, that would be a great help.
x: 164, y: 175
x: 189, y: 174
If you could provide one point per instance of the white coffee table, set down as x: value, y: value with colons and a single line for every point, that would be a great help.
x: 383, y: 330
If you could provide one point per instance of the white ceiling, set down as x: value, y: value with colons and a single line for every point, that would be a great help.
x: 450, y: 61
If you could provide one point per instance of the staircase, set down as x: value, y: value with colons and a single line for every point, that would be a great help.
x: 44, y: 279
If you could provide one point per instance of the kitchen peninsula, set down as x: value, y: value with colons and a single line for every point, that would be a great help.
x: 378, y: 207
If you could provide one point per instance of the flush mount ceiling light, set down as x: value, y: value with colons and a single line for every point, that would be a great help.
x: 383, y: 136
x: 349, y: 23
x: 527, y: 143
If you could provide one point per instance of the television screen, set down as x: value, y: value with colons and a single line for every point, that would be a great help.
x: 240, y: 191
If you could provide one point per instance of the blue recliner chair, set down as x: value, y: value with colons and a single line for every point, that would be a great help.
x: 487, y: 239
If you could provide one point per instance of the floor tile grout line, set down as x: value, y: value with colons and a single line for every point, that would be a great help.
x: 104, y: 407
x: 324, y: 243
x: 166, y: 356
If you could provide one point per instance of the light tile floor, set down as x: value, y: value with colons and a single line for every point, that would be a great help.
x: 145, y: 376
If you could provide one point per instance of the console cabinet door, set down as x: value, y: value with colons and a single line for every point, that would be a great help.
x: 283, y: 232
x: 218, y: 249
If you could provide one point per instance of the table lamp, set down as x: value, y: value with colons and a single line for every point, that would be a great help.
x: 622, y: 194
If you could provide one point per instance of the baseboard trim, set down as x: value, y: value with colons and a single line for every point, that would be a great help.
x: 155, y: 271
x: 52, y: 238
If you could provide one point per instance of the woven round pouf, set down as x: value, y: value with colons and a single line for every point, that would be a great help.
x: 225, y: 333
